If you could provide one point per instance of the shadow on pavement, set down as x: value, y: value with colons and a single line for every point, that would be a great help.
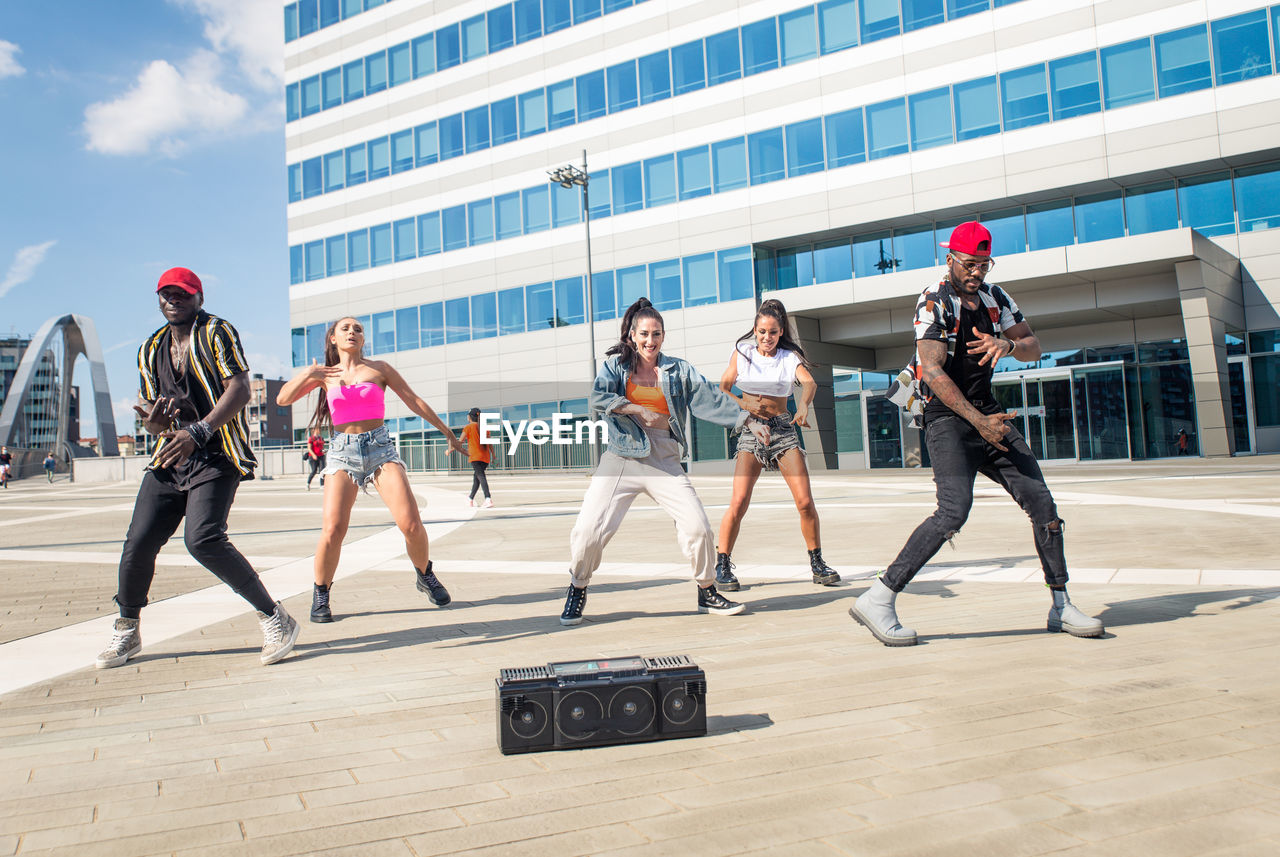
x: 719, y: 724
x: 1181, y: 605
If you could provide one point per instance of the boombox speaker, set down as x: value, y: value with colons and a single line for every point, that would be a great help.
x: 593, y: 703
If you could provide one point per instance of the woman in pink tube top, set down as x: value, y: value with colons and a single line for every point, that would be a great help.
x: 352, y: 404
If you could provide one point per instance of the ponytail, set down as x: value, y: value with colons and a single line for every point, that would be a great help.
x: 626, y: 350
x: 774, y: 309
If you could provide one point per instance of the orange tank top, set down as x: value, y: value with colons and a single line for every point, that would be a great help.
x: 649, y: 397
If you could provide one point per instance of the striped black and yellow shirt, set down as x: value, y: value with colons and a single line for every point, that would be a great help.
x: 215, y: 355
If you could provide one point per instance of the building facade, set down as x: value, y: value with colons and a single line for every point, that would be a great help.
x: 36, y: 426
x: 269, y: 424
x: 1124, y: 153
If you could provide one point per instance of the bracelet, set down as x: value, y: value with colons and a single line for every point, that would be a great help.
x: 200, y: 432
x: 1012, y: 345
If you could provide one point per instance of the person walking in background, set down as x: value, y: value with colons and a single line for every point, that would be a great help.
x: 765, y: 365
x: 50, y: 463
x: 480, y: 456
x: 6, y: 462
x: 1183, y: 441
x: 194, y: 387
x: 315, y: 458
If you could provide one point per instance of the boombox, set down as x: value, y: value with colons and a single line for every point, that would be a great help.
x: 593, y: 703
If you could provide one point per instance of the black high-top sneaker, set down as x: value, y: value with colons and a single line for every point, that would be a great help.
x: 710, y: 601
x: 320, y: 611
x: 430, y: 584
x: 724, y: 574
x: 822, y: 573
x: 575, y: 599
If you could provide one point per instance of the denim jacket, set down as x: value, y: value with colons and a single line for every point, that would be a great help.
x: 685, y: 390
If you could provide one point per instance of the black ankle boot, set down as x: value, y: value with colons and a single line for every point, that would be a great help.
x: 822, y: 573
x: 724, y: 574
x: 430, y: 584
x: 320, y: 604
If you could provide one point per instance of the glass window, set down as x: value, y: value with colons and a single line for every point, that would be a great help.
x: 358, y: 250
x: 659, y: 180
x: 795, y: 267
x: 693, y: 170
x: 407, y: 336
x: 399, y: 64
x: 560, y: 104
x: 424, y: 55
x: 357, y: 164
x: 292, y: 105
x: 382, y: 336
x: 1151, y: 208
x: 664, y: 284
x: 1266, y: 389
x: 837, y: 25
x: 603, y: 296
x: 633, y: 284
x: 798, y: 35
x: 879, y: 19
x: 506, y: 210
x: 380, y: 244
x: 591, y: 100
x: 570, y: 302
x: 502, y: 32
x: 961, y: 8
x: 533, y: 113
x: 615, y: 5
x: 1024, y: 97
x: 977, y: 109
x: 451, y: 137
x: 448, y: 47
x: 457, y: 320
x: 1205, y: 203
x: 556, y: 15
x: 623, y: 94
x: 887, y: 128
x: 566, y: 205
x: 429, y: 233
x: 484, y: 315
x: 375, y: 72
x: 628, y: 188
x: 352, y: 7
x: 699, y: 279
x: 536, y: 202
x: 539, y: 306
x: 431, y: 324
x: 315, y: 341
x: 1264, y: 341
x: 915, y: 248
x: 291, y: 33
x: 480, y: 222
x: 873, y: 255
x: 833, y: 261
x: 298, y: 341
x: 930, y: 114
x: 655, y: 77
x: 601, y: 198
x: 476, y: 129
x: 1049, y: 224
x: 1008, y: 230
x: 1099, y: 216
x: 1182, y: 60
x: 453, y: 223
x: 724, y: 60
x: 736, y: 274
x: 585, y: 10
x: 687, y: 67
x: 528, y: 14
x: 402, y: 151
x: 311, y: 95
x: 504, y: 126
x: 1241, y: 49
x: 1127, y: 74
x: 511, y: 311
x: 426, y: 144
x: 295, y: 182
x: 921, y: 13
x: 804, y: 148
x: 330, y: 13
x: 729, y: 164
x: 353, y: 80
x: 759, y: 47
x: 330, y: 88
x: 765, y: 154
x: 1074, y: 81
x: 308, y: 17
x: 845, y: 141
x: 335, y: 251
x: 379, y: 158
x: 312, y: 178
x: 1258, y: 197
x: 406, y: 239
x: 475, y: 38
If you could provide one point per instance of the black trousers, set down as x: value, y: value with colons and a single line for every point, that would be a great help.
x: 317, y: 464
x: 159, y: 509
x: 478, y: 480
x: 958, y: 453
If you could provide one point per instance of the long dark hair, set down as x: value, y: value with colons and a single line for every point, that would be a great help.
x: 639, y: 310
x: 774, y: 309
x: 322, y: 419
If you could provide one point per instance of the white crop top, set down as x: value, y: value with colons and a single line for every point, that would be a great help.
x: 766, y: 376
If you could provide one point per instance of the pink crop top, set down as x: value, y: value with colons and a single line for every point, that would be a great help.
x: 356, y: 403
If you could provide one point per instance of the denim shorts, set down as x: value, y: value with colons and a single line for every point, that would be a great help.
x: 782, y: 437
x: 360, y: 455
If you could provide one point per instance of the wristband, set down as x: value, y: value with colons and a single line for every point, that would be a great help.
x: 1012, y: 345
x: 200, y: 432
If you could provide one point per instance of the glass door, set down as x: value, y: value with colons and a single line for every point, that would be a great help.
x: 884, y: 433
x: 1044, y: 408
x: 1102, y: 420
x: 1241, y: 404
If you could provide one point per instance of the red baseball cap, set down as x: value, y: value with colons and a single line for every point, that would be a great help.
x: 970, y: 238
x: 183, y: 278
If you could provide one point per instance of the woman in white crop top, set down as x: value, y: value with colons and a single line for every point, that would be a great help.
x: 766, y: 364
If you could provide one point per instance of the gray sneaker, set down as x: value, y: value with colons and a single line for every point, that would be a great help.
x: 1074, y: 621
x: 126, y: 641
x: 279, y: 633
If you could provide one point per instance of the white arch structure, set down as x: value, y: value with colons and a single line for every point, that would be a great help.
x: 79, y: 337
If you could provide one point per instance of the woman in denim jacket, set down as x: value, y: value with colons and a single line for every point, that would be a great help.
x: 646, y: 398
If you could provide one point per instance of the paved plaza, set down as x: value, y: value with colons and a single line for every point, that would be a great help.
x: 377, y: 736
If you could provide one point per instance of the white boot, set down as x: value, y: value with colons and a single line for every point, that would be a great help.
x: 875, y: 609
x: 1065, y: 616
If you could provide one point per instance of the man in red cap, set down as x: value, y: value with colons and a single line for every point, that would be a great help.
x: 194, y: 386
x: 963, y: 326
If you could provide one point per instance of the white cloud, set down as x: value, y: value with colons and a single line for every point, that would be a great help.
x: 24, y: 265
x: 268, y: 365
x: 251, y: 30
x: 9, y: 65
x: 165, y: 109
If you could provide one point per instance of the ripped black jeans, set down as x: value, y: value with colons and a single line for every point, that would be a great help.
x: 958, y: 453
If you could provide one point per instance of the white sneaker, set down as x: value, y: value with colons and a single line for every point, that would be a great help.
x: 126, y: 641
x: 279, y: 633
x: 488, y: 504
x: 471, y: 501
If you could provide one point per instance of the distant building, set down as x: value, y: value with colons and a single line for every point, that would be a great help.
x: 269, y: 424
x: 37, y: 424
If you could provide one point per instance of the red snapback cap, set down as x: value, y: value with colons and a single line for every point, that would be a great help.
x: 970, y: 238
x: 184, y: 278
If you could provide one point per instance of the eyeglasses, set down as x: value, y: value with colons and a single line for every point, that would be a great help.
x: 971, y: 266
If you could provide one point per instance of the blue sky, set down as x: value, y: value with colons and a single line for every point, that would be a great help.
x: 139, y: 135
